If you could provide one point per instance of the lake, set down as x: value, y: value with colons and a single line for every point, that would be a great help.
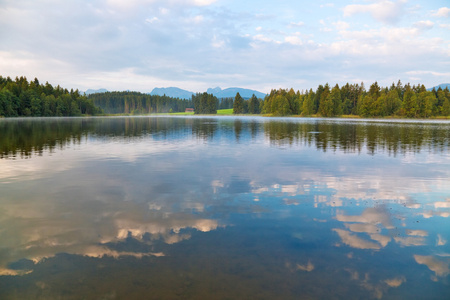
x: 224, y: 208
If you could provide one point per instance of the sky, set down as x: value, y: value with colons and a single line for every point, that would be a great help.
x: 199, y: 44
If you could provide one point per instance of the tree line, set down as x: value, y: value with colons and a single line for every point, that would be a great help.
x: 138, y: 103
x: 21, y: 97
x: 353, y: 99
x: 250, y: 106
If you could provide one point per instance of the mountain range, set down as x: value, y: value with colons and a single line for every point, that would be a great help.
x: 442, y: 86
x: 231, y: 93
x: 172, y: 92
x: 90, y: 91
x: 218, y: 92
x: 184, y: 94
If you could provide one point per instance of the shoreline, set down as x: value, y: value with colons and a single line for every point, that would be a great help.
x: 342, y: 117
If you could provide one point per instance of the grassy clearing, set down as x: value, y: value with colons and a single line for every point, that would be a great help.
x: 228, y: 111
x: 219, y: 112
x: 182, y: 113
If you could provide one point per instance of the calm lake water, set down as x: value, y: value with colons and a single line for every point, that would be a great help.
x: 224, y: 208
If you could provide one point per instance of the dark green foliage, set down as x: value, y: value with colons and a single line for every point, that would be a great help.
x: 282, y: 102
x: 308, y: 103
x: 331, y: 105
x: 205, y: 103
x: 325, y: 102
x: 226, y: 103
x: 238, y: 105
x: 409, y: 105
x: 397, y: 100
x: 138, y: 103
x: 20, y: 97
x: 23, y: 98
x: 254, y: 105
x: 393, y: 102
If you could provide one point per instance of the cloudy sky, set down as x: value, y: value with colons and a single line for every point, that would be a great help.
x: 197, y: 44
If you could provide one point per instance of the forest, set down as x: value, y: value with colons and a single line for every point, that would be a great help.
x: 138, y: 103
x: 21, y: 97
x: 352, y: 99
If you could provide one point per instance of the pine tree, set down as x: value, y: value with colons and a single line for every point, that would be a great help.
x: 238, y: 105
x: 337, y: 102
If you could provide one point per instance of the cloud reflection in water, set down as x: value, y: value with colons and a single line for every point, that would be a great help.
x: 290, y: 199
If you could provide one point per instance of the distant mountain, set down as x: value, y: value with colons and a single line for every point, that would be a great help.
x: 218, y: 92
x: 89, y: 91
x: 231, y: 93
x: 172, y: 92
x: 442, y: 86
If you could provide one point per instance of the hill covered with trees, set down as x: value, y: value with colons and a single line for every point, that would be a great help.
x: 21, y: 97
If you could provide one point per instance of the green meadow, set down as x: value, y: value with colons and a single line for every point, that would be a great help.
x: 228, y: 111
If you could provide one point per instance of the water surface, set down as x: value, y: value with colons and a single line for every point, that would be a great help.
x: 224, y: 208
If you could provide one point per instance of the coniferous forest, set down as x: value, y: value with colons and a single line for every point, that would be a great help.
x: 140, y: 103
x: 21, y: 97
x: 205, y: 103
x: 352, y: 99
x: 137, y: 103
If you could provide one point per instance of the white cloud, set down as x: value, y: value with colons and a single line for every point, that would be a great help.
x: 152, y: 20
x: 395, y: 282
x: 190, y: 44
x: 358, y: 227
x: 424, y: 25
x: 410, y: 241
x: 442, y: 204
x: 198, y: 19
x: 433, y: 73
x: 203, y: 2
x: 294, y: 40
x: 382, y: 239
x: 384, y: 11
x: 139, y: 4
x: 341, y: 25
x: 324, y: 27
x: 163, y: 10
x: 443, y: 12
x: 262, y: 38
x: 441, y: 241
x: 371, y: 215
x: 416, y: 232
x: 354, y: 241
x: 439, y: 267
x: 297, y: 24
x: 308, y: 267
